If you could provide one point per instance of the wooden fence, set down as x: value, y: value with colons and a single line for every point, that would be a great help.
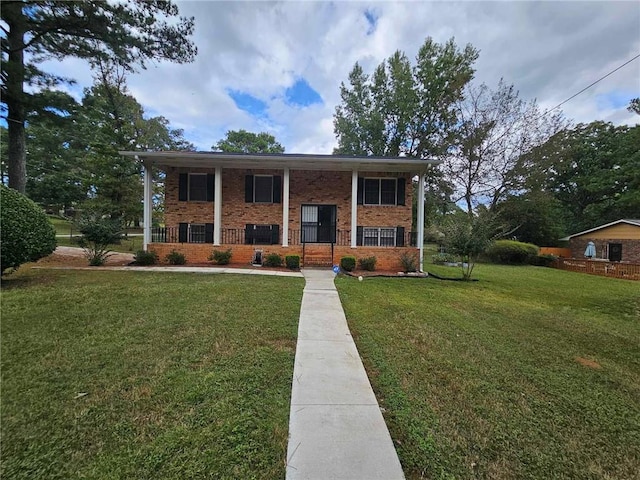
x: 558, y: 252
x: 628, y: 271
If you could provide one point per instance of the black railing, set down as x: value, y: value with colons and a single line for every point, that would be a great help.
x: 272, y: 235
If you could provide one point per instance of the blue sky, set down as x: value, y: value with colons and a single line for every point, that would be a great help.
x: 277, y: 67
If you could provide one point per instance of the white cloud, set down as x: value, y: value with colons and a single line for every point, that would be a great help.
x: 549, y: 50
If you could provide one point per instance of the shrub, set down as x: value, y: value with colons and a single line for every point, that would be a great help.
x: 542, y: 260
x: 221, y: 257
x: 409, y: 262
x: 145, y: 258
x: 176, y: 258
x: 27, y: 234
x: 368, y: 263
x: 292, y: 262
x: 442, y: 258
x: 272, y: 260
x: 511, y: 252
x: 348, y: 264
x: 97, y: 234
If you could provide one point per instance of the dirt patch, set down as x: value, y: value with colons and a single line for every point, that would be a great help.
x: 75, y: 257
x: 585, y: 362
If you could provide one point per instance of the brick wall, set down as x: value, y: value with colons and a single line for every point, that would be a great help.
x: 306, y: 187
x: 387, y: 258
x: 630, y: 248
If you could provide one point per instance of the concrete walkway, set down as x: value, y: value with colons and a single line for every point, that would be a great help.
x: 336, y: 429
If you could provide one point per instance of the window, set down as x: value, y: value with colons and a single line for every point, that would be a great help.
x: 197, y: 187
x: 196, y: 233
x: 380, y: 191
x: 263, y: 189
x: 379, y: 237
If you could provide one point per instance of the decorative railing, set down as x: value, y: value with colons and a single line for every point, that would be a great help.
x: 628, y: 271
x: 268, y: 235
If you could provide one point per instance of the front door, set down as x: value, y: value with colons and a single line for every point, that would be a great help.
x: 615, y: 252
x: 319, y: 223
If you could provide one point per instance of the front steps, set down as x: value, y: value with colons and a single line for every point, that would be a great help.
x: 317, y: 255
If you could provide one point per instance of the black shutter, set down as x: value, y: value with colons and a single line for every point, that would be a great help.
x: 277, y: 189
x: 210, y: 186
x: 183, y: 187
x: 248, y: 233
x: 400, y: 191
x: 182, y: 232
x: 359, y: 235
x: 275, y: 234
x: 208, y: 233
x: 360, y: 190
x: 248, y: 188
x: 399, y: 236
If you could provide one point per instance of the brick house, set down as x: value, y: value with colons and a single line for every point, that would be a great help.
x: 617, y: 241
x: 321, y: 207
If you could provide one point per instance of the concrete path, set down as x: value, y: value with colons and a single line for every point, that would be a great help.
x: 336, y: 429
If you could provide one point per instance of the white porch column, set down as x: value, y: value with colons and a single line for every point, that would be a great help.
x: 147, y: 205
x: 285, y: 209
x: 420, y: 218
x: 217, y: 209
x: 354, y: 208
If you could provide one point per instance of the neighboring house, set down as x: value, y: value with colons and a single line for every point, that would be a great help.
x: 321, y: 207
x: 616, y: 241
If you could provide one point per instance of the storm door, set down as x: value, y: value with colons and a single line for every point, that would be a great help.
x: 318, y: 223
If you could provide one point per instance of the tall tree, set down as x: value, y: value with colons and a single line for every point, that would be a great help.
x: 242, y: 141
x: 634, y: 105
x: 403, y: 109
x: 129, y: 33
x: 593, y: 170
x: 495, y: 129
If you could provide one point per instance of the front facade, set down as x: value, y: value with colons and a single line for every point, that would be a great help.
x: 321, y: 207
x: 617, y: 241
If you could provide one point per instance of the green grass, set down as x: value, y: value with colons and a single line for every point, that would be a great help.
x: 186, y: 376
x: 481, y: 379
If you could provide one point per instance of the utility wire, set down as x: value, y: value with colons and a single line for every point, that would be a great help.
x: 591, y: 85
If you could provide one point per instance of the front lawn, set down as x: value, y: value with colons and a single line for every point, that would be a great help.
x: 528, y: 373
x: 146, y: 375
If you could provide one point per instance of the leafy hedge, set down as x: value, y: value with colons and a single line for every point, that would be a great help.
x: 511, y: 252
x: 25, y: 232
x: 348, y: 263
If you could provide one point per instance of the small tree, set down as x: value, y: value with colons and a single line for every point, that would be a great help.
x: 25, y: 232
x: 97, y: 234
x: 467, y: 237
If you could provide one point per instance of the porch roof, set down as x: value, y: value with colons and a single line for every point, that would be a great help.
x: 293, y: 161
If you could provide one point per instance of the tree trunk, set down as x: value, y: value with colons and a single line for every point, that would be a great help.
x: 17, y: 155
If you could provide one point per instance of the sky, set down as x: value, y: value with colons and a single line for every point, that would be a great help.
x: 277, y: 67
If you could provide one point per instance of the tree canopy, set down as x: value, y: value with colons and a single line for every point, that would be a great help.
x: 242, y: 141
x: 127, y: 33
x: 403, y: 109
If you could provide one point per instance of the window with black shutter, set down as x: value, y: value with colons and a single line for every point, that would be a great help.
x: 195, y: 187
x: 380, y: 191
x: 263, y: 189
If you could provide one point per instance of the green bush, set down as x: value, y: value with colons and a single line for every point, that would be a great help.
x: 292, y: 262
x: 409, y: 262
x: 221, y: 257
x: 272, y: 260
x: 367, y: 263
x: 176, y: 258
x: 26, y: 234
x: 97, y: 234
x: 348, y: 263
x: 511, y: 252
x: 542, y: 260
x: 145, y: 258
x: 442, y: 258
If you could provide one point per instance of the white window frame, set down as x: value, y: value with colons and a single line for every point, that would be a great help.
x: 378, y: 236
x: 379, y: 179
x: 255, y: 190
x: 189, y: 187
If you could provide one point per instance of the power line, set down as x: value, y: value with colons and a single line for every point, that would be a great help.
x: 591, y: 85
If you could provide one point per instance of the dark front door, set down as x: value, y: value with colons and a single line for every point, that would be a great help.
x: 319, y: 223
x: 615, y: 252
